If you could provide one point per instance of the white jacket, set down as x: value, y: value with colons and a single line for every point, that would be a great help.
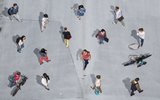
x: 20, y: 42
x: 141, y: 34
x: 44, y: 21
x: 98, y: 83
x: 45, y: 82
x: 118, y: 14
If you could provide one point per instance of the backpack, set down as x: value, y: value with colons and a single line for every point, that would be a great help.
x: 69, y: 36
x: 10, y: 11
x: 18, y: 39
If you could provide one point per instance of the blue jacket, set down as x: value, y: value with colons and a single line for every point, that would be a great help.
x: 81, y: 11
x: 13, y: 10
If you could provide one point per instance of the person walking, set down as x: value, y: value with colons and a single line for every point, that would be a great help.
x: 85, y: 56
x: 20, y: 43
x: 141, y: 35
x: 80, y: 12
x: 67, y: 36
x: 102, y: 36
x: 45, y: 80
x: 44, y: 22
x: 119, y: 16
x: 16, y: 79
x: 13, y: 12
x: 43, y: 56
x: 135, y: 86
x: 97, y: 84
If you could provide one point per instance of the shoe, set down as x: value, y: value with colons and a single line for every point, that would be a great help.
x: 140, y: 91
x: 139, y: 65
x: 19, y: 51
x: 92, y: 87
x: 47, y: 88
x: 84, y: 75
x: 41, y: 63
x: 132, y: 94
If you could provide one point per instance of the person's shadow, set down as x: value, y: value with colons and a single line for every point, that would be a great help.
x: 11, y: 80
x: 127, y: 84
x: 0, y: 29
x: 61, y: 33
x: 95, y: 33
x: 36, y: 52
x: 14, y: 39
x: 14, y: 91
x: 5, y: 12
x: 93, y: 78
x: 75, y: 8
x: 78, y: 54
x: 113, y: 12
x: 38, y: 79
x: 134, y: 35
x: 40, y: 19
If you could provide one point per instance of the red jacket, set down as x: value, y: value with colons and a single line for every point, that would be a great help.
x: 16, y: 77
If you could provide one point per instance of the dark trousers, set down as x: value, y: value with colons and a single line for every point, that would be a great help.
x: 103, y: 39
x: 135, y: 87
x: 141, y: 42
x: 106, y: 39
x: 85, y: 64
x: 19, y: 47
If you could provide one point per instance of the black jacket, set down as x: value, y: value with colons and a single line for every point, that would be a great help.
x: 43, y: 53
x: 67, y: 35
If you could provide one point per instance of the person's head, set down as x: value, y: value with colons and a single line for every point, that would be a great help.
x: 137, y: 79
x: 43, y: 49
x: 65, y: 28
x: 141, y: 29
x: 18, y: 73
x: 116, y: 8
x: 23, y: 37
x: 98, y: 76
x: 45, y: 76
x: 85, y: 51
x: 102, y: 30
x: 80, y: 6
x: 15, y: 4
x: 45, y: 15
